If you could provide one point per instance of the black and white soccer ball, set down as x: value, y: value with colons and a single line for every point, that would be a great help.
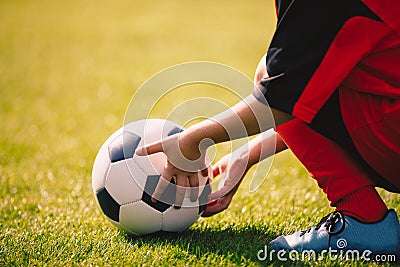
x: 123, y: 182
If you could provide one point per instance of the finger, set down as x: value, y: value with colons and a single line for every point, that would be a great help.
x: 212, y: 210
x: 166, y: 176
x: 218, y: 206
x: 194, y: 187
x: 221, y: 192
x: 212, y: 202
x: 150, y: 149
x: 180, y: 190
x: 160, y: 188
x: 222, y: 204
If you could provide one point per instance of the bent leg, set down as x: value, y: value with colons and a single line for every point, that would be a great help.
x: 343, y: 180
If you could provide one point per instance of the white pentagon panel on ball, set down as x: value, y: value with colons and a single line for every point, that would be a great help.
x: 140, y: 218
x: 177, y: 220
x: 100, y: 168
x: 125, y: 181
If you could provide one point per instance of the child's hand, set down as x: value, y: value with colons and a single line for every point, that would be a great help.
x: 186, y: 163
x: 232, y: 175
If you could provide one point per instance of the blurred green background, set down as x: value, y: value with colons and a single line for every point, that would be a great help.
x: 68, y: 70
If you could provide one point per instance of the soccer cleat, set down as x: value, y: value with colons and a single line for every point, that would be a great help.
x: 340, y: 232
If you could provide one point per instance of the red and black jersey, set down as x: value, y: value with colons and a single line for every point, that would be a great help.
x: 316, y: 45
x: 305, y: 31
x: 322, y: 48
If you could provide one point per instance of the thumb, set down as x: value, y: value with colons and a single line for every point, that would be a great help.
x: 150, y: 149
x: 223, y: 191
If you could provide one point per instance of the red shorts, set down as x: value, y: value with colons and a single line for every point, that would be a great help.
x: 368, y: 78
x: 374, y: 125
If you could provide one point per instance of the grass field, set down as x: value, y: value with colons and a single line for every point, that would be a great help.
x: 67, y: 72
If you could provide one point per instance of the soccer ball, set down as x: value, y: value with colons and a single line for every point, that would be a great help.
x: 123, y: 182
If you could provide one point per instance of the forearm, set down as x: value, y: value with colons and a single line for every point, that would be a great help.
x: 246, y: 118
x: 263, y: 146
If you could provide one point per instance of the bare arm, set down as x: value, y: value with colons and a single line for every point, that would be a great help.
x: 186, y: 151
